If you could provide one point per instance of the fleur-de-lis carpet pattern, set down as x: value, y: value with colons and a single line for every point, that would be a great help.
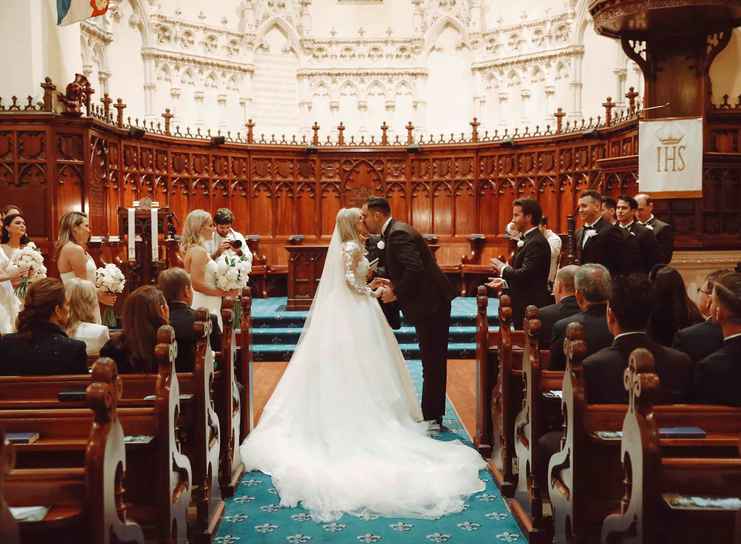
x: 275, y: 330
x: 253, y: 515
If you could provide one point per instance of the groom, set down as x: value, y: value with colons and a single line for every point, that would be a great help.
x: 424, y: 293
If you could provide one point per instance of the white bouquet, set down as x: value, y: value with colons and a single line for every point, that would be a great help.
x: 109, y: 278
x: 232, y: 272
x: 29, y: 258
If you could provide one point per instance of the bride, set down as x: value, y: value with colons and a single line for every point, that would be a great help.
x: 342, y: 431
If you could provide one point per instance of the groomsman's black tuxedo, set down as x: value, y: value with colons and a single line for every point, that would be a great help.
x: 555, y: 312
x: 717, y: 376
x: 699, y: 340
x: 182, y: 318
x: 596, y: 333
x: 424, y: 294
x: 665, y: 236
x: 605, y: 247
x: 643, y: 248
x: 603, y: 371
x: 527, y: 277
x: 390, y: 310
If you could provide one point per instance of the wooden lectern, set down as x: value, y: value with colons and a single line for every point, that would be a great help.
x: 305, y: 265
x: 142, y: 269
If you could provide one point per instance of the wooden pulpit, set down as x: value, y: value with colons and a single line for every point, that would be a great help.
x: 141, y: 268
x: 305, y: 265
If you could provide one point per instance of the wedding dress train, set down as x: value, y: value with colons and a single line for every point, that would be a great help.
x: 342, y: 431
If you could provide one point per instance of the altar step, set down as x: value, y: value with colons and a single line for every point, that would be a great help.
x: 276, y: 331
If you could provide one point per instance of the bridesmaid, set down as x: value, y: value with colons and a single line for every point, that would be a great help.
x: 13, y: 238
x: 73, y: 260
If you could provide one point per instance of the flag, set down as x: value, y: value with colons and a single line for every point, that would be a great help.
x: 74, y: 11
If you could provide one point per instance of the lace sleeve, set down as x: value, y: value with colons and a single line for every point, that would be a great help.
x: 351, y: 254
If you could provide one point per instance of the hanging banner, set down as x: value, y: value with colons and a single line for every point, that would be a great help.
x: 670, y: 158
x: 131, y: 216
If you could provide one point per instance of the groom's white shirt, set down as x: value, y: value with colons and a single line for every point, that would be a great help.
x: 385, y: 225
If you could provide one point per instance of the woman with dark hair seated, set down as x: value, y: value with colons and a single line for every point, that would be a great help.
x: 41, y: 346
x: 144, y: 312
x: 672, y: 308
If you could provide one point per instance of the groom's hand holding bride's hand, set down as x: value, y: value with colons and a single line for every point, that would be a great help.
x: 388, y: 294
x: 379, y: 282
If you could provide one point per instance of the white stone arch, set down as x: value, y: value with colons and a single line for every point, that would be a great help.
x: 286, y: 27
x: 433, y: 33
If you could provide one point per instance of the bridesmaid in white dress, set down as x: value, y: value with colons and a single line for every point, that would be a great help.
x: 73, y: 260
x: 84, y: 316
x: 13, y: 239
x: 199, y: 228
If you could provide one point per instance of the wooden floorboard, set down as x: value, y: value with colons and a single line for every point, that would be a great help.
x: 461, y: 387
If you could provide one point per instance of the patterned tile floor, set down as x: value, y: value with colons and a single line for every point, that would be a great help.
x: 253, y: 514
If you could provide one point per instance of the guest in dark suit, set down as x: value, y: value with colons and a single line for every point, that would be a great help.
x: 424, y: 295
x: 564, y: 291
x: 176, y: 287
x: 672, y: 308
x: 144, y: 312
x: 627, y: 317
x: 41, y: 347
x: 663, y: 231
x: 392, y: 311
x: 598, y: 241
x: 645, y: 247
x: 700, y: 340
x: 526, y: 279
x: 593, y: 284
x: 717, y: 376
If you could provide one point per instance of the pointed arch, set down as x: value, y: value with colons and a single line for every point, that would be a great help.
x: 283, y: 25
x: 436, y: 29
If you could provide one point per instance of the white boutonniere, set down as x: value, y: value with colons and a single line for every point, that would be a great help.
x: 648, y: 226
x: 381, y: 245
x: 520, y: 243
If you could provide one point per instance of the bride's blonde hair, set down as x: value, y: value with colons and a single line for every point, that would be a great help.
x: 192, y: 227
x: 347, y: 219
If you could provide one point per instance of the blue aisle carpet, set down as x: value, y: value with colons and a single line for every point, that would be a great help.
x: 275, y: 331
x: 253, y: 514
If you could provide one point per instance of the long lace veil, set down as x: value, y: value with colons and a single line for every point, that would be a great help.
x: 333, y: 279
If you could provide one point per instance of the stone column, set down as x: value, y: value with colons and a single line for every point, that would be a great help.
x: 420, y: 114
x: 524, y: 106
x: 503, y: 98
x: 363, y: 115
x: 576, y: 87
x: 175, y: 107
x: 198, y: 97
x: 223, y: 123
x: 621, y: 76
x: 550, y: 91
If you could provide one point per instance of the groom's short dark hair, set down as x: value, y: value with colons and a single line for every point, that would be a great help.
x: 379, y: 204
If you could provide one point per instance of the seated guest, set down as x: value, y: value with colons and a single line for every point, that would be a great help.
x: 627, y: 317
x: 566, y: 305
x: 672, y: 308
x: 592, y: 283
x: 41, y: 347
x: 175, y: 286
x: 717, y: 376
x: 702, y: 339
x: 84, y: 316
x: 144, y: 312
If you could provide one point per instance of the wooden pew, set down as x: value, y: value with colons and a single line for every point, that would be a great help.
x: 8, y: 527
x: 585, y: 478
x: 158, y: 489
x: 85, y: 500
x: 644, y: 516
x: 245, y: 359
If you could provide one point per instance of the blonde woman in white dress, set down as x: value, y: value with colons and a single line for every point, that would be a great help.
x: 343, y: 431
x: 13, y: 238
x: 73, y: 260
x: 84, y: 316
x: 197, y: 230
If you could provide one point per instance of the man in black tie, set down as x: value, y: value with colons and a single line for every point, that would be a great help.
x: 374, y: 245
x: 639, y: 240
x: 627, y: 316
x: 717, y: 376
x: 701, y: 339
x: 609, y: 213
x: 663, y: 231
x: 526, y: 279
x: 598, y: 241
x: 566, y: 305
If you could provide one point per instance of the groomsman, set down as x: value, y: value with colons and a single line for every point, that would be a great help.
x: 597, y: 241
x: 640, y: 239
x: 663, y: 231
x: 608, y: 209
x: 526, y: 279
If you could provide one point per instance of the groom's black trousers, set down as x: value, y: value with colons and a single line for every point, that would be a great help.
x: 432, y: 334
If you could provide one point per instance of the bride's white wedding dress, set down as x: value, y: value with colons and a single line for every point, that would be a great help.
x: 342, y: 432
x: 211, y: 303
x: 10, y: 305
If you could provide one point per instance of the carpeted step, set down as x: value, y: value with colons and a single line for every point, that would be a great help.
x: 283, y: 352
x: 290, y: 335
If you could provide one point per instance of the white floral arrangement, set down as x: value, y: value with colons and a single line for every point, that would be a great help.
x: 109, y: 278
x: 232, y: 272
x: 29, y: 258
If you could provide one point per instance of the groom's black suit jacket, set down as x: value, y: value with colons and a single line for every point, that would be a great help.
x: 420, y: 286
